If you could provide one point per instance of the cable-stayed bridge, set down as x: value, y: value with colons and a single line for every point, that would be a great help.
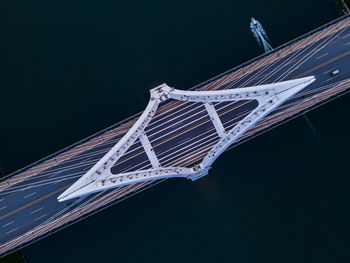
x: 180, y: 133
x: 265, y: 97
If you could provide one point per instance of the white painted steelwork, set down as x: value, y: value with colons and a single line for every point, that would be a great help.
x: 100, y: 177
x: 149, y: 150
x: 215, y: 118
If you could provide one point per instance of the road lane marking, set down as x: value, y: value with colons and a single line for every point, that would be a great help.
x: 331, y: 78
x: 3, y: 207
x: 11, y: 231
x: 36, y: 210
x: 34, y: 202
x: 323, y: 64
x: 345, y: 36
x: 85, y: 160
x: 30, y: 195
x: 55, y: 174
x: 39, y: 217
x: 8, y: 224
x: 325, y: 54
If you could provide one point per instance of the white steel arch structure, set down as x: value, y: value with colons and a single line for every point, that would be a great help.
x: 100, y: 177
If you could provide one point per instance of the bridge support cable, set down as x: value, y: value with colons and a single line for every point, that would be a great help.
x: 100, y: 177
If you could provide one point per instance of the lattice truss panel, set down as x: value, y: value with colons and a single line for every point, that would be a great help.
x: 229, y: 113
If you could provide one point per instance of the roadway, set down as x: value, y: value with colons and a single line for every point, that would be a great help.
x: 181, y: 133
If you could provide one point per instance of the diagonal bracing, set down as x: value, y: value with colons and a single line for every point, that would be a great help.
x: 100, y: 177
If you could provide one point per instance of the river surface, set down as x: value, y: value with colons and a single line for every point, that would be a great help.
x: 71, y: 68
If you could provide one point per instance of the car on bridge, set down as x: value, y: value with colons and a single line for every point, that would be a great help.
x: 334, y: 72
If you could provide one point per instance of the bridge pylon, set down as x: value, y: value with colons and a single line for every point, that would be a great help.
x: 100, y: 177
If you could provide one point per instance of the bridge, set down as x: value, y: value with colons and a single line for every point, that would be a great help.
x: 180, y: 134
x: 268, y: 97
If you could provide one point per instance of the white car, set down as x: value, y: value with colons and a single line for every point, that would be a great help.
x: 334, y: 72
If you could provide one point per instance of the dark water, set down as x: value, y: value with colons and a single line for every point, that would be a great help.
x: 71, y: 68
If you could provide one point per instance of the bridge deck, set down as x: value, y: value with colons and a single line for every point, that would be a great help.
x: 181, y: 134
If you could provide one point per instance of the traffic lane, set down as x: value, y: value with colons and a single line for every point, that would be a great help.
x: 89, y: 154
x: 309, y: 62
x: 331, y: 50
x: 19, y: 198
x: 318, y: 73
x: 40, y: 197
x: 341, y: 61
x: 281, y: 62
x: 26, y: 220
x: 39, y: 211
x: 322, y: 79
x: 43, y: 194
x: 13, y: 194
x: 312, y: 69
